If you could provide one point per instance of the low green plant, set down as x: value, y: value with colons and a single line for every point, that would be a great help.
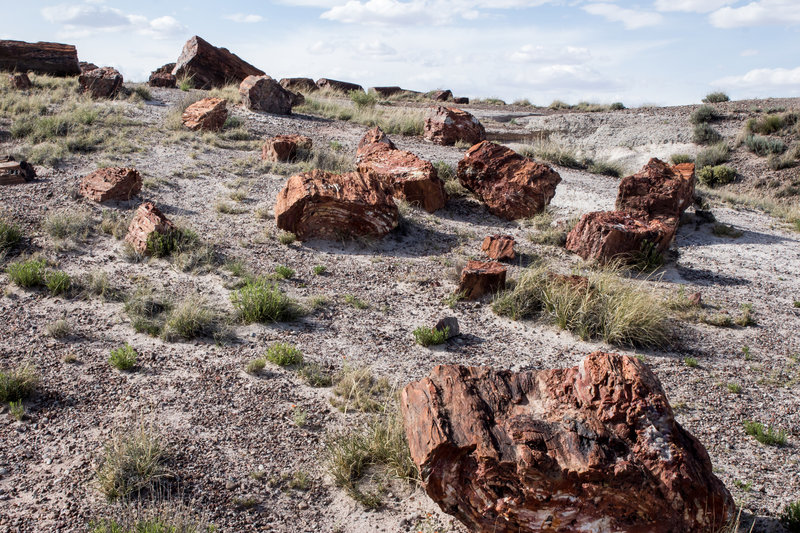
x: 284, y: 272
x: 132, y: 464
x: 165, y: 244
x: 716, y: 175
x: 648, y: 258
x: 287, y: 237
x: 764, y: 146
x: 354, y: 301
x: 768, y: 124
x: 713, y: 155
x: 691, y: 362
x: 69, y: 224
x: 123, y: 358
x: 16, y: 410
x: 147, y: 311
x: 716, y: 98
x: 57, y: 282
x: 283, y: 354
x: 704, y: 133
x: 790, y: 517
x: 704, y: 113
x: 745, y: 318
x: 299, y: 417
x: 10, y: 237
x: 677, y: 159
x: 357, y: 388
x: 258, y: 300
x: 362, y: 100
x: 190, y: 319
x: 606, y: 168
x: 735, y: 388
x: 18, y: 383
x: 765, y: 434
x: 430, y: 336
x: 720, y: 320
x: 256, y: 366
x: 319, y: 270
x: 28, y: 273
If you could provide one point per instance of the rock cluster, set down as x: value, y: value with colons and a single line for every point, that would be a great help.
x: 499, y: 247
x: 512, y: 186
x: 102, y: 82
x: 209, y: 66
x: 262, y: 93
x: 208, y: 114
x: 55, y: 59
x: 163, y: 77
x: 148, y: 219
x: 649, y: 206
x: 112, y: 183
x: 448, y: 125
x: 594, y: 447
x: 385, y: 92
x: 86, y: 66
x: 283, y: 148
x: 479, y: 278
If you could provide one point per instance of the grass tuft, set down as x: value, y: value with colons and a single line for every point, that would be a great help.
x: 18, y: 383
x: 430, y: 336
x: 713, y: 155
x: 765, y: 434
x: 283, y: 354
x: 704, y: 113
x: 716, y: 98
x: 123, y: 358
x: 132, y: 464
x: 258, y: 300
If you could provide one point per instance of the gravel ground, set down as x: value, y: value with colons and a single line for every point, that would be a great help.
x: 222, y: 424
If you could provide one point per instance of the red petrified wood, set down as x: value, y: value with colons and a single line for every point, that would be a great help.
x: 479, y: 278
x: 512, y: 186
x: 262, y: 93
x: 447, y: 125
x: 499, y: 247
x: 111, y: 183
x: 209, y: 66
x: 591, y: 448
x: 147, y: 220
x: 283, y: 148
x: 323, y: 205
x: 206, y: 114
x: 102, y: 82
x: 659, y: 189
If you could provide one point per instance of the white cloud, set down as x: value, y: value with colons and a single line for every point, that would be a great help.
x: 631, y: 18
x: 750, y: 52
x: 376, y: 49
x: 243, y: 18
x: 693, y: 6
x: 764, y: 78
x: 83, y: 20
x: 550, y: 54
x: 760, y: 13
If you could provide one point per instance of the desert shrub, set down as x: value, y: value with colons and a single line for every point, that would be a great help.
x: 58, y: 329
x: 559, y: 104
x: 18, y: 383
x: 713, y: 155
x: 704, y: 113
x: 764, y: 145
x: 28, y: 273
x: 132, y: 463
x: 606, y: 168
x: 704, y: 133
x: 147, y: 311
x: 677, y: 159
x: 716, y: 175
x: 164, y: 244
x: 283, y: 354
x: 790, y: 517
x: 716, y: 98
x: 284, y: 272
x: 123, y: 358
x: 190, y: 319
x: 68, y: 224
x: 766, y: 125
x: 765, y: 434
x: 114, y: 224
x: 57, y: 282
x: 261, y: 301
x: 430, y: 336
x: 315, y: 375
x: 553, y: 153
x: 359, y: 389
x: 163, y: 521
x: 787, y: 160
x: 141, y: 92
x: 10, y: 237
x: 523, y: 102
x: 603, y: 306
x: 287, y: 237
x: 362, y: 100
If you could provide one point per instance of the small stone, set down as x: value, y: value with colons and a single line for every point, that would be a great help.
x: 450, y: 322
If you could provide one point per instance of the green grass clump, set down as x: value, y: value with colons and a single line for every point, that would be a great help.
x: 256, y: 366
x: 190, y: 319
x: 392, y: 120
x: 10, y: 237
x: 132, y: 464
x: 57, y: 282
x: 123, y: 358
x: 283, y: 354
x: 764, y: 146
x: 356, y: 302
x: 704, y: 113
x: 553, y: 153
x: 28, y: 273
x: 158, y: 524
x: 734, y: 388
x: 705, y: 134
x: 677, y: 159
x: 319, y: 270
x: 362, y: 100
x: 790, y: 517
x: 768, y: 124
x: 359, y: 389
x: 716, y: 175
x: 18, y: 383
x: 606, y: 168
x: 284, y: 272
x: 430, y: 336
x: 601, y: 306
x: 713, y: 155
x: 315, y: 375
x: 147, y: 311
x: 691, y: 362
x: 716, y: 98
x: 165, y: 244
x: 258, y: 300
x: 765, y: 434
x: 287, y: 238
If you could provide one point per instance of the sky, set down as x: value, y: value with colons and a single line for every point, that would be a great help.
x: 664, y: 52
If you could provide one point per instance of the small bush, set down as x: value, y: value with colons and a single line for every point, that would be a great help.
x: 315, y: 375
x: 18, y: 383
x: 716, y: 98
x: 765, y: 434
x: 319, y: 270
x: 190, y: 319
x: 165, y: 244
x: 677, y: 159
x: 287, y: 237
x: 132, y: 463
x: 283, y: 354
x: 430, y: 336
x: 58, y: 329
x: 766, y: 125
x: 734, y: 388
x: 713, y: 155
x: 10, y: 237
x: 362, y: 100
x: 354, y: 301
x: 764, y: 145
x: 691, y: 362
x: 716, y: 175
x: 141, y: 92
x: 27, y: 274
x: 68, y: 224
x: 359, y: 389
x: 553, y: 153
x: 790, y: 517
x: 123, y: 358
x: 261, y: 301
x: 57, y: 282
x: 256, y: 366
x: 284, y: 272
x: 705, y: 134
x: 704, y: 113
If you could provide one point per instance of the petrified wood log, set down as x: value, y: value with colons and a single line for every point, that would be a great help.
x: 43, y: 58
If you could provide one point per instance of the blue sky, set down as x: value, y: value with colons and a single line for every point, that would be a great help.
x: 653, y: 51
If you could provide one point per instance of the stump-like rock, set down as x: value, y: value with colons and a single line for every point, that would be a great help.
x: 659, y: 189
x: 479, y: 278
x: 323, y: 205
x: 461, y: 100
x: 371, y: 141
x: 262, y: 93
x: 512, y: 186
x: 55, y: 59
x: 209, y: 66
x: 299, y: 85
x: 147, y: 220
x: 86, y: 66
x: 283, y: 148
x: 610, y: 235
x: 163, y: 77
x: 499, y: 247
x: 442, y: 96
x: 208, y: 114
x: 102, y: 82
x: 590, y: 448
x: 339, y: 86
x: 14, y: 172
x: 112, y: 183
x: 386, y: 92
x: 19, y: 81
x: 448, y: 125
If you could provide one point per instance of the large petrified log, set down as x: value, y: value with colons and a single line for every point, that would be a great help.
x: 659, y: 189
x: 448, y: 125
x: 262, y: 93
x: 512, y: 186
x: 111, y: 183
x: 103, y: 82
x: 340, y: 86
x: 210, y: 66
x: 323, y: 205
x: 15, y: 172
x: 284, y: 148
x: 299, y: 85
x: 42, y: 58
x: 481, y: 277
x: 147, y: 220
x: 208, y: 114
x: 590, y: 448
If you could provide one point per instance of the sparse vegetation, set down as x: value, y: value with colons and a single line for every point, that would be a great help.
x: 359, y: 389
x: 190, y: 319
x: 765, y: 434
x: 284, y: 272
x: 256, y: 366
x: 790, y: 517
x: 132, y: 464
x: 553, y: 153
x: 315, y: 375
x: 691, y: 362
x: 677, y: 159
x: 704, y: 113
x: 27, y: 274
x: 716, y: 175
x: 734, y: 388
x: 287, y: 238
x: 713, y: 156
x: 16, y: 410
x: 283, y: 354
x: 261, y: 301
x: 362, y: 100
x: 404, y: 121
x: 10, y: 237
x: 18, y: 383
x: 123, y: 358
x: 319, y: 270
x: 57, y: 282
x: 147, y: 311
x: 705, y: 134
x: 354, y: 301
x: 716, y: 98
x: 430, y: 336
x: 764, y: 146
x: 58, y: 329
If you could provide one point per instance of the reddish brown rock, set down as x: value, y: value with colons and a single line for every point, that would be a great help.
x: 111, y: 183
x: 163, y: 77
x: 283, y: 148
x: 386, y: 92
x: 55, y: 59
x: 339, y: 86
x: 659, y: 189
x: 299, y: 85
x: 14, y: 172
x: 297, y: 99
x: 609, y: 235
x: 323, y: 205
x: 447, y: 125
x: 461, y: 100
x: 19, y: 81
x: 512, y: 186
x: 262, y: 93
x: 499, y: 247
x: 209, y: 66
x: 411, y: 179
x: 147, y: 220
x: 85, y: 66
x: 102, y: 82
x: 591, y: 448
x: 442, y: 96
x: 479, y: 278
x: 208, y: 114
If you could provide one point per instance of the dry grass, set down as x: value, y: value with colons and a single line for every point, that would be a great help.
x: 132, y: 464
x: 404, y: 121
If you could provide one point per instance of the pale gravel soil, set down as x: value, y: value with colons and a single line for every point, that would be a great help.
x: 222, y: 424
